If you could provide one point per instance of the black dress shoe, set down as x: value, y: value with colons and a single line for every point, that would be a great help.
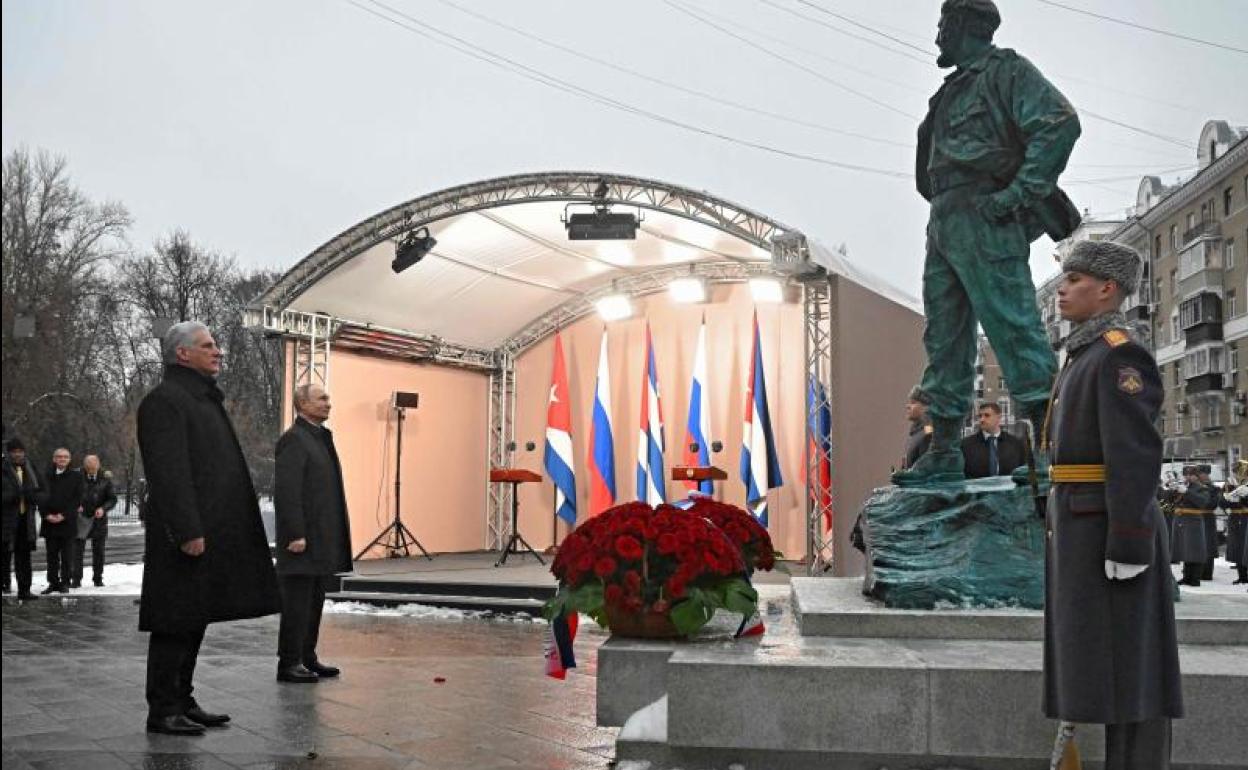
x: 62, y: 589
x: 322, y: 670
x: 99, y: 582
x: 196, y: 714
x: 75, y: 584
x: 297, y: 673
x: 174, y: 725
x: 27, y: 596
x: 50, y: 590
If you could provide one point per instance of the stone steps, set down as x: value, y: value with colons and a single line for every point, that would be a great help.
x: 835, y: 607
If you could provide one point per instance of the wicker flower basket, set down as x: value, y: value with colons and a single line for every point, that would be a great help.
x: 641, y: 625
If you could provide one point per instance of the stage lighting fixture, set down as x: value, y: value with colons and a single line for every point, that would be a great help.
x: 412, y: 249
x: 614, y: 307
x: 601, y: 225
x: 766, y: 290
x: 688, y: 290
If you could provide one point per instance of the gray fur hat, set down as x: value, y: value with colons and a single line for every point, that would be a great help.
x: 919, y: 396
x: 1108, y: 261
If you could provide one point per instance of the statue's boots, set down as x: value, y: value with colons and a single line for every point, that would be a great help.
x: 941, y: 462
x: 1035, y: 414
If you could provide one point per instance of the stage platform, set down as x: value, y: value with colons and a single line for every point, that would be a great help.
x: 470, y: 581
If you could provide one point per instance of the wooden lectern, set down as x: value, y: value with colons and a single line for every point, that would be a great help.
x: 698, y: 473
x: 515, y: 477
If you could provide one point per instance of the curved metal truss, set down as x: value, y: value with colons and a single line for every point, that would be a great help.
x: 559, y: 186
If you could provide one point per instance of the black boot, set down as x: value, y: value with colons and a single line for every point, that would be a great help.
x: 1241, y: 574
x: 1035, y: 415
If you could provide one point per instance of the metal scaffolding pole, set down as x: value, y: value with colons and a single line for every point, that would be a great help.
x: 502, y: 410
x: 819, y: 308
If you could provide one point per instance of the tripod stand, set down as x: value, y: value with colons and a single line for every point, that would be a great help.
x: 516, y: 544
x: 396, y: 536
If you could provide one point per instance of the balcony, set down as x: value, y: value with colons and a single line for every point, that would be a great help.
x: 1205, y: 280
x: 1207, y: 229
x: 1203, y: 384
x: 1201, y: 319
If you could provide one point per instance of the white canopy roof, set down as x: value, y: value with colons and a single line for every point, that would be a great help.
x: 503, y: 258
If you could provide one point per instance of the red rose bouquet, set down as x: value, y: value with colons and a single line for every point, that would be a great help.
x: 742, y: 529
x: 632, y: 560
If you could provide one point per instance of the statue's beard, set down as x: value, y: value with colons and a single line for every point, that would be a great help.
x: 945, y: 59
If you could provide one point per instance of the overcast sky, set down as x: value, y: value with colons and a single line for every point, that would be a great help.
x: 265, y: 128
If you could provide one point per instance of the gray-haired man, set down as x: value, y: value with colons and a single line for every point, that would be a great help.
x: 206, y: 558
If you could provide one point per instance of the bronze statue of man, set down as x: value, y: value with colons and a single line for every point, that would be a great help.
x: 996, y: 136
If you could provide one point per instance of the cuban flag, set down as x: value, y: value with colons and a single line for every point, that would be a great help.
x: 558, y: 459
x: 651, y: 487
x: 819, y: 436
x: 698, y: 424
x: 760, y: 467
x: 601, y: 441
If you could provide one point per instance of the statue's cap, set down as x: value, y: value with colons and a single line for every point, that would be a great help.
x: 1106, y: 260
x: 985, y: 9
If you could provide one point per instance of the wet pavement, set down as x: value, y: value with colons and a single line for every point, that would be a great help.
x: 73, y: 672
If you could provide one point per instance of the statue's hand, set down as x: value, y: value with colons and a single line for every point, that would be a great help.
x: 998, y: 205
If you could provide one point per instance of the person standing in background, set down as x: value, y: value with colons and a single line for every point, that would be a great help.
x: 98, y: 499
x: 20, y: 501
x: 59, y: 510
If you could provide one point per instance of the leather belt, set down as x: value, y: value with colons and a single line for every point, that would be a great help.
x: 1191, y: 512
x: 942, y: 183
x: 1077, y: 474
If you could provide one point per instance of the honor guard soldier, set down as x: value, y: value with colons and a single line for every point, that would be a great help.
x: 1210, y: 520
x: 1110, y: 649
x: 1235, y: 503
x: 1188, y: 541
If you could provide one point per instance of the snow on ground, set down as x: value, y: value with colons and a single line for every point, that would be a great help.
x: 649, y: 723
x: 425, y: 612
x: 119, y: 580
x: 1222, y: 583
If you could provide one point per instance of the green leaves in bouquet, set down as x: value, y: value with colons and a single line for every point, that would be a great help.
x: 587, y: 599
x: 699, y: 604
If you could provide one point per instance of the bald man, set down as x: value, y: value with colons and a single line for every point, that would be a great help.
x: 98, y: 498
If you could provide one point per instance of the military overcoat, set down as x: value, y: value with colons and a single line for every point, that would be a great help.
x: 1188, y: 541
x: 1110, y: 651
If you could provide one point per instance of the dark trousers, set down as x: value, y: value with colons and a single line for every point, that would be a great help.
x: 1138, y: 745
x: 17, y: 559
x: 170, y: 668
x: 60, y: 559
x: 1192, y: 571
x: 97, y: 557
x: 303, y: 597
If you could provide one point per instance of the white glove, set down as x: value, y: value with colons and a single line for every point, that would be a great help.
x: 1237, y: 494
x: 1118, y: 571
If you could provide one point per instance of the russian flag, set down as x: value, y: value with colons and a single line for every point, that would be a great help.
x: 698, y: 424
x: 760, y: 467
x: 819, y: 436
x: 558, y: 647
x: 558, y: 459
x: 601, y: 441
x: 651, y: 486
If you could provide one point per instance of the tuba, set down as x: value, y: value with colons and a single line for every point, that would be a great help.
x: 1239, y: 472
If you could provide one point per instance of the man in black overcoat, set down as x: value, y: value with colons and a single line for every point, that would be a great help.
x: 919, y: 437
x: 98, y: 498
x: 1188, y: 543
x: 58, y: 507
x: 206, y: 558
x: 1110, y: 649
x: 991, y: 451
x: 313, y: 533
x: 20, y: 501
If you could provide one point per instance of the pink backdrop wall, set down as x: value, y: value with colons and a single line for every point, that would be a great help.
x: 444, y: 452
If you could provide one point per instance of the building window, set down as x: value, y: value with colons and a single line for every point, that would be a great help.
x: 1236, y: 416
x: 1178, y: 374
x: 1232, y: 357
x: 1228, y: 253
x: 1174, y: 281
x: 1227, y: 195
x: 1004, y: 404
x: 1233, y: 453
x: 1210, y: 360
x: 1174, y: 237
x: 1231, y: 310
x: 1156, y: 247
x: 1195, y: 419
x: 1214, y: 416
x: 1174, y: 325
x: 1190, y: 222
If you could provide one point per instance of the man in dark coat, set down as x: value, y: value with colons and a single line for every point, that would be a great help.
x: 1188, y: 543
x: 98, y: 498
x: 920, y: 435
x: 17, y: 511
x: 206, y: 558
x: 991, y: 451
x: 313, y: 533
x: 1210, y: 520
x: 59, y: 509
x: 1110, y: 648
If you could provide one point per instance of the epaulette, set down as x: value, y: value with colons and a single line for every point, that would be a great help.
x: 1116, y: 337
x: 927, y: 429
